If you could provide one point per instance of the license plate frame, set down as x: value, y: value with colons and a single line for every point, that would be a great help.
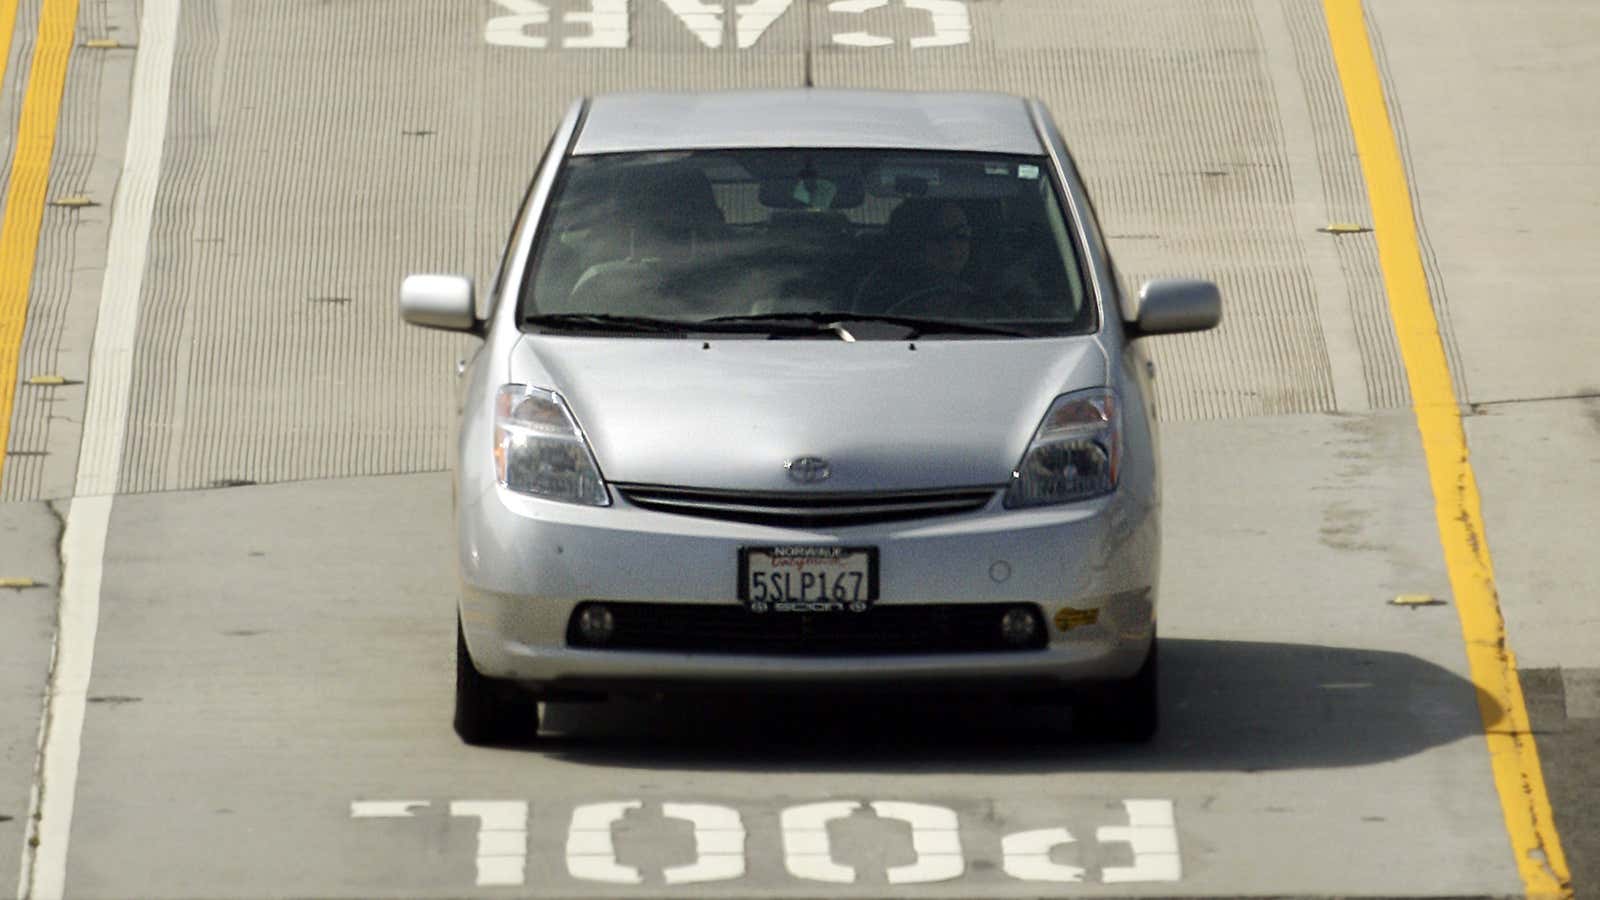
x: 828, y: 561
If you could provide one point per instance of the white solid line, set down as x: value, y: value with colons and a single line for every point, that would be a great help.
x: 111, y: 366
x: 82, y: 548
x: 44, y: 856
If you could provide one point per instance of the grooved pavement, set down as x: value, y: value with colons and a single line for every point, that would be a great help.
x: 320, y: 152
x: 1321, y: 741
x: 47, y: 420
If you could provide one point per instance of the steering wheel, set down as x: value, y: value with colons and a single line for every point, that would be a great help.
x: 946, y: 291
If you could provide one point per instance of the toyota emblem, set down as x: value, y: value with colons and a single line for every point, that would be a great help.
x: 808, y: 469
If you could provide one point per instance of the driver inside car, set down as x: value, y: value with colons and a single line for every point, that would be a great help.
x: 930, y: 246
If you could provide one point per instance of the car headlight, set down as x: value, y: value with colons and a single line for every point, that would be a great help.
x: 539, y: 449
x: 1075, y: 454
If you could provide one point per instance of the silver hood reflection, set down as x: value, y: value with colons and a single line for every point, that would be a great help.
x: 729, y: 413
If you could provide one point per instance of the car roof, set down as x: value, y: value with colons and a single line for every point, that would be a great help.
x: 809, y: 117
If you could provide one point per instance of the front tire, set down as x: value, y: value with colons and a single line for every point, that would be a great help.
x: 489, y: 711
x: 1125, y: 711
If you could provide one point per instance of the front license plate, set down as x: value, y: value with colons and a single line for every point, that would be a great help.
x: 808, y: 579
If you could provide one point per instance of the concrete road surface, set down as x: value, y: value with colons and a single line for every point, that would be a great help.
x: 226, y: 575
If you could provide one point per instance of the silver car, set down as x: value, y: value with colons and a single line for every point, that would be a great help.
x: 806, y: 389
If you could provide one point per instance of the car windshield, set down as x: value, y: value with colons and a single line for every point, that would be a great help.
x: 811, y: 234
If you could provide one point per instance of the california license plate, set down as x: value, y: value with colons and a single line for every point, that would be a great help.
x: 808, y: 579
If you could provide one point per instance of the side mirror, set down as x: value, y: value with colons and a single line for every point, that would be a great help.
x: 1173, y: 305
x: 438, y: 301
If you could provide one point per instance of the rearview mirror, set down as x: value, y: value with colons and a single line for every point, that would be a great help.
x: 1174, y: 305
x: 438, y: 301
x: 841, y: 191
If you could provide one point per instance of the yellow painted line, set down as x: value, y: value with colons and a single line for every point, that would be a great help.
x: 1512, y: 753
x: 30, y: 173
x: 8, y: 26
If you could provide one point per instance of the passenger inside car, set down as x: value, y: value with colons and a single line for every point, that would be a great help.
x: 662, y: 217
x: 929, y: 248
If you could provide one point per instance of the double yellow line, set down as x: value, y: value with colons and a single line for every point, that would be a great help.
x: 30, y: 175
x: 1518, y: 778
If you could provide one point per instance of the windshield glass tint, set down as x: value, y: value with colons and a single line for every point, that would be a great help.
x: 696, y: 235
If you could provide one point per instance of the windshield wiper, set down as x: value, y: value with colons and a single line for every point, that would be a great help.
x: 605, y: 322
x: 919, y: 326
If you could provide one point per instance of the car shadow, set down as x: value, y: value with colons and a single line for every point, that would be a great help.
x: 1226, y: 705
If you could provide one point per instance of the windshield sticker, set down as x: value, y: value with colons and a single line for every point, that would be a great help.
x: 1028, y: 173
x: 996, y: 169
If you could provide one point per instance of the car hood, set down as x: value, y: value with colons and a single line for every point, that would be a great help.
x: 885, y: 415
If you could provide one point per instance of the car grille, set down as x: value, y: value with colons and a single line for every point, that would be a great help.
x: 881, y: 630
x: 806, y: 509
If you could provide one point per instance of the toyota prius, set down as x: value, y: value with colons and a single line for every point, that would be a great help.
x: 800, y: 390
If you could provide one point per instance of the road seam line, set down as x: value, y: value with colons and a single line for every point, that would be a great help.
x: 100, y: 457
x: 1513, y: 755
x: 30, y: 177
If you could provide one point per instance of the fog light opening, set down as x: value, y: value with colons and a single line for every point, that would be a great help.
x: 596, y: 624
x: 1019, y: 626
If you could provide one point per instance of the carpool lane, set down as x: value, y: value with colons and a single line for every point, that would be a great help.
x: 272, y: 654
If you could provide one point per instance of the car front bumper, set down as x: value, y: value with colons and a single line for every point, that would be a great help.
x: 527, y: 563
